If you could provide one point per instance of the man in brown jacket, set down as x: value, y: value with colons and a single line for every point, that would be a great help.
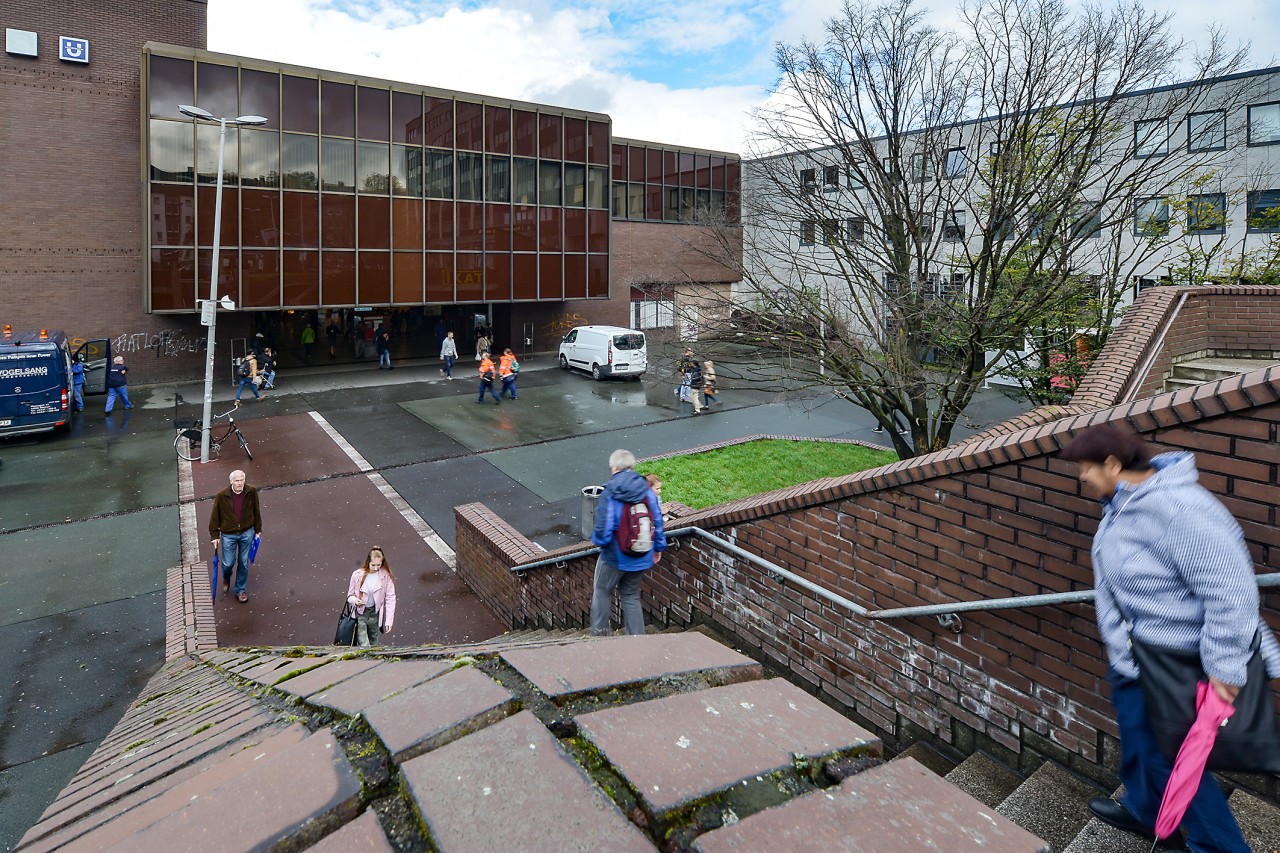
x: 236, y: 521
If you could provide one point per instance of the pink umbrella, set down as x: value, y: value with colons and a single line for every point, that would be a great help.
x: 1188, y: 767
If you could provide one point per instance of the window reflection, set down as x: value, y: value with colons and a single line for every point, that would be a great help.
x: 207, y: 154
x: 575, y: 185
x: 373, y: 169
x: 300, y: 162
x: 635, y: 201
x: 172, y: 151
x: 549, y: 183
x: 337, y: 108
x: 171, y: 85
x: 470, y: 177
x: 406, y: 170
x: 259, y: 158
x: 260, y: 95
x: 439, y: 174
x: 301, y: 108
x: 498, y: 179
x: 337, y: 165
x: 525, y: 181
x: 216, y: 89
x: 597, y: 186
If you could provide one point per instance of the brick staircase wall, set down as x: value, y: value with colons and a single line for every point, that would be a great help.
x: 994, y: 517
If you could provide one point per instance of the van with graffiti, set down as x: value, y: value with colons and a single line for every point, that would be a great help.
x: 605, y: 351
x: 36, y: 378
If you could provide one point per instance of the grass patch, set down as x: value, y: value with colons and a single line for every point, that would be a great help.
x: 716, y: 476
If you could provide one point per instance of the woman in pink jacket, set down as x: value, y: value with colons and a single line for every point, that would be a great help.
x: 372, y: 592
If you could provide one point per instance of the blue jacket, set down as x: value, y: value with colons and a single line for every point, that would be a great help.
x: 625, y: 487
x: 1170, y: 564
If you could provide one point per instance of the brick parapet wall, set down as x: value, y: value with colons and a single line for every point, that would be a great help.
x: 997, y: 518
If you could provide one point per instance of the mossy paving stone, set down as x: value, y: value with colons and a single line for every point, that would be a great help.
x: 439, y: 711
x: 353, y: 695
x: 325, y: 676
x: 364, y: 834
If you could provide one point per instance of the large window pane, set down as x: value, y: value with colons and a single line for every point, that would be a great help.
x: 635, y: 201
x: 439, y: 174
x: 597, y: 186
x: 373, y: 168
x: 525, y: 181
x: 497, y: 130
x: 437, y: 123
x: 1207, y: 214
x: 406, y: 118
x: 1151, y: 217
x: 406, y: 170
x: 619, y: 208
x: 373, y: 109
x: 300, y: 106
x: 300, y: 162
x: 259, y: 158
x: 216, y: 89
x: 471, y: 177
x: 338, y: 165
x: 470, y: 126
x: 575, y: 140
x: 172, y: 83
x: 498, y: 179
x: 260, y: 95
x: 1151, y: 138
x: 1264, y: 124
x: 173, y: 215
x: 575, y: 185
x: 207, y: 155
x: 337, y: 108
x: 1207, y: 131
x: 173, y: 151
x: 1264, y: 211
x: 549, y: 183
x: 549, y: 135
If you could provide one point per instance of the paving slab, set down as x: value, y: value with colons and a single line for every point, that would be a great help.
x: 325, y: 676
x: 439, y: 711
x: 353, y: 695
x: 677, y: 749
x: 362, y: 835
x: 564, y: 671
x: 305, y: 782
x: 317, y: 533
x: 899, y: 807
x: 269, y: 674
x: 378, y: 430
x: 531, y: 793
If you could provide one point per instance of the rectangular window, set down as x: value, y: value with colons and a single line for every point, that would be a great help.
x: 373, y: 168
x: 635, y: 201
x: 956, y: 165
x: 549, y: 183
x: 808, y: 231
x: 855, y: 229
x: 338, y: 165
x: 597, y: 186
x: 470, y: 177
x: 1207, y: 131
x: 891, y: 169
x: 951, y: 288
x: 671, y: 204
x: 1150, y: 217
x: 830, y: 177
x: 921, y: 168
x: 1151, y: 138
x: 575, y: 185
x: 619, y: 210
x: 300, y: 161
x: 1207, y: 214
x: 497, y: 184
x: 1088, y: 222
x: 173, y: 153
x: 1264, y: 124
x: 259, y: 158
x: 953, y: 226
x: 439, y: 174
x: 406, y: 170
x: 524, y: 184
x: 852, y: 179
x: 808, y: 180
x: 1264, y: 211
x: 831, y: 232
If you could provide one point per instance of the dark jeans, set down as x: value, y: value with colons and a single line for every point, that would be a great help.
x: 235, y: 552
x: 247, y: 382
x: 508, y: 384
x: 448, y: 365
x: 487, y: 383
x: 1144, y: 769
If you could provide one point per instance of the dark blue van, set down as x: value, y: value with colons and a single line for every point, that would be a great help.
x: 35, y: 378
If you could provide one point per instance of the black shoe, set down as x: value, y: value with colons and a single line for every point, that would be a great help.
x: 1110, y: 812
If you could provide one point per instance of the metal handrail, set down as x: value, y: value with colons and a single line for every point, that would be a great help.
x: 948, y: 614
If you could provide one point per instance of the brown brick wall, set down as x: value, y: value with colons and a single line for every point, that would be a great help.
x: 994, y: 519
x: 70, y: 248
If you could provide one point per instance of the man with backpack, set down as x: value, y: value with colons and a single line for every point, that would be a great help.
x: 628, y: 531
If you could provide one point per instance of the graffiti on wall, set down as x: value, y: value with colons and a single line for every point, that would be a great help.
x: 166, y: 342
x: 562, y: 323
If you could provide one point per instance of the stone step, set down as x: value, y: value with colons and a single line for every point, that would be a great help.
x: 931, y: 758
x: 1052, y: 803
x: 985, y: 779
x: 1259, y: 820
x: 1097, y: 835
x: 1173, y: 383
x: 1213, y: 368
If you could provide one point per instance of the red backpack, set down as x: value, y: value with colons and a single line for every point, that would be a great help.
x: 635, y: 529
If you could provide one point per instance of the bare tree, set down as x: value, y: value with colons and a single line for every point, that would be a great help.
x: 951, y: 189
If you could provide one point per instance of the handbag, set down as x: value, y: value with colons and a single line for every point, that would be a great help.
x: 346, y: 633
x: 1249, y: 742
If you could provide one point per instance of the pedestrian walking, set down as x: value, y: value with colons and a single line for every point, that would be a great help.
x: 1171, y: 572
x: 690, y: 370
x: 331, y: 332
x: 508, y: 369
x: 448, y: 354
x: 267, y: 368
x: 308, y: 340
x: 482, y: 342
x: 234, y: 523
x: 77, y: 384
x: 372, y: 593
x: 382, y: 342
x: 487, y: 374
x: 629, y: 533
x: 117, y: 384
x: 249, y: 377
x: 709, y: 383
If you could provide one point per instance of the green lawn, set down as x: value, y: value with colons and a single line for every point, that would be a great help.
x: 705, y: 479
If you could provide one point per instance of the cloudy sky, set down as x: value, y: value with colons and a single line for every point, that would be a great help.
x: 675, y: 71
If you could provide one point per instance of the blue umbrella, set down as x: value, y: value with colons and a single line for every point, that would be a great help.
x: 213, y: 574
x: 253, y: 547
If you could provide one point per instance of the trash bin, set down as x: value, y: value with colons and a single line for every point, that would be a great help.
x: 590, y: 497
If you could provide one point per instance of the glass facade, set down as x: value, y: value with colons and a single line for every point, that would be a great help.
x: 356, y: 194
x: 664, y: 184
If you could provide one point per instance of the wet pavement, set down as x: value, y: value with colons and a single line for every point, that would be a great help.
x: 346, y: 456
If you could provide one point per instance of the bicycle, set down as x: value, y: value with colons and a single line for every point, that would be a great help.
x: 187, y: 441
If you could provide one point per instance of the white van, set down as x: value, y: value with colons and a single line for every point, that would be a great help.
x: 605, y: 351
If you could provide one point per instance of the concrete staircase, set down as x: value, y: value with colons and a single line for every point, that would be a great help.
x: 1217, y: 364
x: 1053, y: 803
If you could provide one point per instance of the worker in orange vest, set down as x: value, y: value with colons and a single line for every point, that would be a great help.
x: 508, y: 367
x: 487, y: 374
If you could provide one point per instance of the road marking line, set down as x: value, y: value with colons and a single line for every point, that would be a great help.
x: 417, y: 522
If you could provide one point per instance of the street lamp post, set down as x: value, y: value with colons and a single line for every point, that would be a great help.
x: 212, y: 305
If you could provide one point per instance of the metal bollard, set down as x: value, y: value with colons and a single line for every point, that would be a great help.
x: 587, y: 514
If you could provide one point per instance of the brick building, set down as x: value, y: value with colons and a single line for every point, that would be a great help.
x: 354, y: 194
